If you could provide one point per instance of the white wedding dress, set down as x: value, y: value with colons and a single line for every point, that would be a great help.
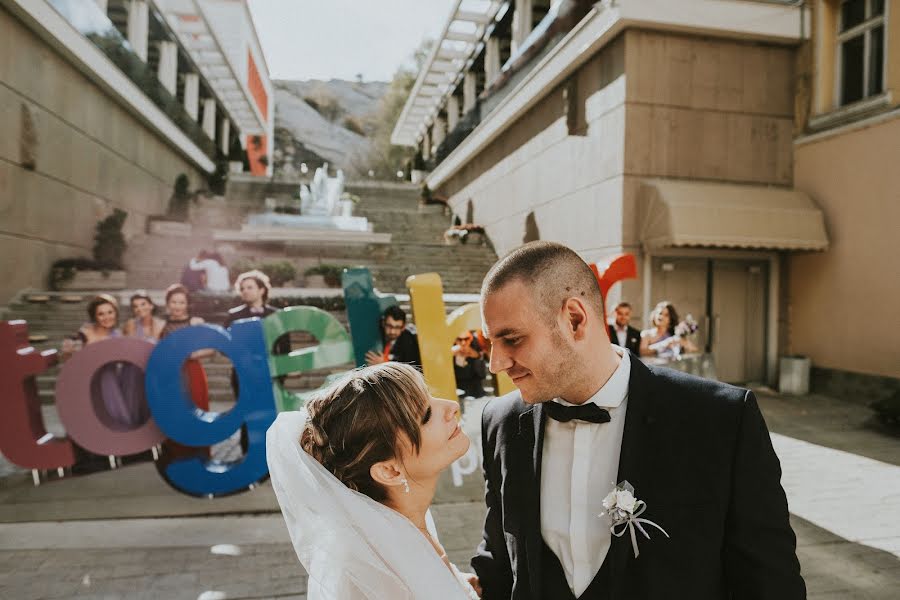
x: 352, y: 547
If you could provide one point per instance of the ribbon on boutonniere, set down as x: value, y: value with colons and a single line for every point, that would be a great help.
x: 624, y: 511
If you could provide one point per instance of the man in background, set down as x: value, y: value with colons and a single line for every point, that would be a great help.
x: 621, y: 333
x: 401, y: 344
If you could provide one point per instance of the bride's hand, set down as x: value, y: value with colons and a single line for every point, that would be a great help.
x: 472, y: 578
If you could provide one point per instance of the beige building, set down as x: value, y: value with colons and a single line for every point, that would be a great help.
x: 678, y: 131
x: 104, y: 103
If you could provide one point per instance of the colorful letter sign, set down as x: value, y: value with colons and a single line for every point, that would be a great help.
x: 87, y: 421
x: 248, y: 343
x: 334, y: 349
x: 23, y: 438
x: 364, y: 310
x: 177, y: 415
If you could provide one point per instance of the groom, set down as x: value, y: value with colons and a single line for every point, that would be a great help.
x: 588, y: 415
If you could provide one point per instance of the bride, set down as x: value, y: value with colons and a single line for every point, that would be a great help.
x: 355, y: 472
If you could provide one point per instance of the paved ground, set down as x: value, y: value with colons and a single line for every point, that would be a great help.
x: 125, y: 534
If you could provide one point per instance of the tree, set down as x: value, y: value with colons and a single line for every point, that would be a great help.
x: 383, y: 158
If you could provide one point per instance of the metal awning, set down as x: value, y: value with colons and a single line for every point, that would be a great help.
x: 191, y: 25
x: 458, y: 44
x: 685, y: 213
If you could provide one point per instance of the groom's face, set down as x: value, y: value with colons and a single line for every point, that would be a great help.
x: 527, y: 343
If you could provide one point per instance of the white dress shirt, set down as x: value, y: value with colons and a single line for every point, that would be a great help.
x: 578, y: 469
x: 217, y: 279
x: 621, y: 335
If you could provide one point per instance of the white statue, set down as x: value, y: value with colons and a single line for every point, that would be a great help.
x: 321, y: 198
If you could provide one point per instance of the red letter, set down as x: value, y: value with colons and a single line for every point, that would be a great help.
x: 619, y: 267
x: 23, y: 438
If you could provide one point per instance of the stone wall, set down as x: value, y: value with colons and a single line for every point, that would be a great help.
x: 69, y: 155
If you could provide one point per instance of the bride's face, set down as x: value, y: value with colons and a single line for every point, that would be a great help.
x: 442, y: 441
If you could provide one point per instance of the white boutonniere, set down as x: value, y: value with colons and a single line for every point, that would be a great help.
x: 624, y: 511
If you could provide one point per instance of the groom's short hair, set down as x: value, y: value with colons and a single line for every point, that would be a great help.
x: 552, y: 271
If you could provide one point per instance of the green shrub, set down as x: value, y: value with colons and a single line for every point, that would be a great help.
x: 331, y: 273
x: 109, y: 243
x: 63, y: 270
x: 109, y: 247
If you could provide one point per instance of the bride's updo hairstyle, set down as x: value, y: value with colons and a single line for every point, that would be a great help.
x: 362, y: 419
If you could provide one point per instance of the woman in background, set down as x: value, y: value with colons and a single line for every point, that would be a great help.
x: 112, y: 386
x: 144, y: 325
x: 178, y: 316
x: 660, y: 339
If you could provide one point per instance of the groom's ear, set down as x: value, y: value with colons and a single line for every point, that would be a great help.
x: 386, y: 473
x: 575, y: 314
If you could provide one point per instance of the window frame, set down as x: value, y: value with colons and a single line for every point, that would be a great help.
x: 865, y: 28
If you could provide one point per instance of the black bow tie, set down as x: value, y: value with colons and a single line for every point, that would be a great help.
x: 585, y: 412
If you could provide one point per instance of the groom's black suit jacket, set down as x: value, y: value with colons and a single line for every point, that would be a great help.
x: 697, y: 452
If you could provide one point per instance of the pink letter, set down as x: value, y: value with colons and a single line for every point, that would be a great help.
x: 85, y: 417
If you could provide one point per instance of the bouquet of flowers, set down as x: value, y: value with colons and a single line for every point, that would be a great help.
x: 687, y: 327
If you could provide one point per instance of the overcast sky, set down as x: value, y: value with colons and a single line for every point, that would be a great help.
x: 338, y: 39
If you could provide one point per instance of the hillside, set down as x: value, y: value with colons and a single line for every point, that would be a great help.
x: 319, y: 121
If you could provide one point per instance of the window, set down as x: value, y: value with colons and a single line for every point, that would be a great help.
x: 860, y: 50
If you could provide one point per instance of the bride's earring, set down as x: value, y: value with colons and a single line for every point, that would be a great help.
x: 405, y: 485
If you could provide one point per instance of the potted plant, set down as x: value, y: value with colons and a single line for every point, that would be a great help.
x: 313, y: 278
x: 324, y: 276
x: 104, y: 271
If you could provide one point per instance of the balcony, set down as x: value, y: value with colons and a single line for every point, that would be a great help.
x: 94, y: 24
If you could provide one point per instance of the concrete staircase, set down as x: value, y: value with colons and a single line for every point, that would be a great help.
x: 154, y: 261
x: 418, y: 245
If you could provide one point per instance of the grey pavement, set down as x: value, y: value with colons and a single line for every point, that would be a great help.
x: 125, y: 534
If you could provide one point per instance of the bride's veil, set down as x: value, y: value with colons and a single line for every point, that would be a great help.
x: 351, y: 546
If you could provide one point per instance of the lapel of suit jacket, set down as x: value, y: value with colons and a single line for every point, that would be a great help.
x: 531, y: 436
x: 637, y: 440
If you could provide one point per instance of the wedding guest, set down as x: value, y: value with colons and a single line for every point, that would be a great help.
x: 192, y: 279
x: 621, y: 332
x: 178, y: 317
x: 660, y: 339
x: 120, y: 395
x: 468, y: 365
x: 144, y: 325
x: 213, y: 265
x: 178, y: 303
x: 254, y: 288
x: 401, y: 344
